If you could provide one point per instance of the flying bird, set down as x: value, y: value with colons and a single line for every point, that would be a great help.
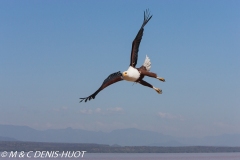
x: 133, y: 74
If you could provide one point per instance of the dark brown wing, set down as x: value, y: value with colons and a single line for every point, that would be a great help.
x: 112, y: 78
x: 137, y: 40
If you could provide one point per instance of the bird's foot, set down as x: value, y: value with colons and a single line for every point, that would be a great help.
x: 159, y: 91
x: 161, y: 79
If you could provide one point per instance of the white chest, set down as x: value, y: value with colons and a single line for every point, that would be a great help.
x: 132, y: 74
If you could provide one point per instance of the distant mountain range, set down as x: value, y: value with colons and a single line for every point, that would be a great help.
x: 7, y: 139
x: 123, y: 137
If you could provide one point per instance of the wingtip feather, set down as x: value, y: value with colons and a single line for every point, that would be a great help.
x: 147, y: 17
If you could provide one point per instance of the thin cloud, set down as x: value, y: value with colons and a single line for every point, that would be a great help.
x: 98, y: 110
x: 170, y: 116
x: 102, y: 111
x: 86, y: 111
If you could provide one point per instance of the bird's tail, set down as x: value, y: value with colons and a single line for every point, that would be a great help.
x: 147, y: 63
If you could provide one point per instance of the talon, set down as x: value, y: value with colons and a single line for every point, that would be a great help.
x: 159, y: 91
x: 161, y: 79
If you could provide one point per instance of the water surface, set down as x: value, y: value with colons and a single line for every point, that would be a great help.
x: 146, y: 156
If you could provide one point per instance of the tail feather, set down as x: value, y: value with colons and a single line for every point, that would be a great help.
x: 147, y: 63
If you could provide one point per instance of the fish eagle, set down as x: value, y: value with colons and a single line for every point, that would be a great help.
x: 133, y: 74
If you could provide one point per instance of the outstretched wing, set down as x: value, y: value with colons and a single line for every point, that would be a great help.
x: 112, y: 78
x: 138, y: 38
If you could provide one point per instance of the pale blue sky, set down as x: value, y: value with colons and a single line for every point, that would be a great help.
x: 54, y: 52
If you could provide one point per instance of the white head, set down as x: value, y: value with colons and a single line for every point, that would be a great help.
x: 131, y: 74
